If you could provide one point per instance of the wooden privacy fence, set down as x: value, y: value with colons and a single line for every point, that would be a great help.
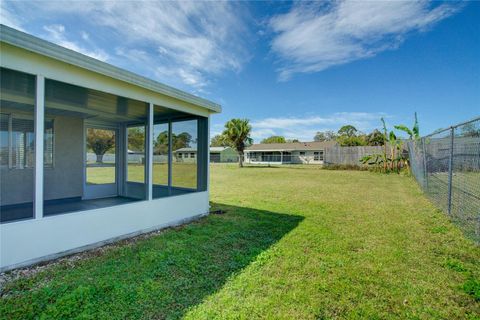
x: 349, y: 155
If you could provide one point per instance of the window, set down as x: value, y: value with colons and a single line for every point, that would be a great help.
x: 302, y: 154
x: 192, y: 155
x: 17, y: 144
x: 184, y: 135
x: 17, y: 136
x: 160, y: 154
x: 318, y: 155
x: 101, y: 160
x: 136, y: 159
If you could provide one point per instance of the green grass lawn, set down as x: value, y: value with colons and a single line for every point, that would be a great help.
x: 465, y: 202
x: 183, y: 174
x: 295, y: 243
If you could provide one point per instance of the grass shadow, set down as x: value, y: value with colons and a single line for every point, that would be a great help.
x: 162, y: 276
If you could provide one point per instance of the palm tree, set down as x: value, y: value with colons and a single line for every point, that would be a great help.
x: 237, y: 134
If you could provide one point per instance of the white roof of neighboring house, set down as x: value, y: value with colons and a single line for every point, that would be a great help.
x: 31, y: 43
x: 218, y: 149
x: 186, y: 150
x: 212, y: 149
x: 134, y: 152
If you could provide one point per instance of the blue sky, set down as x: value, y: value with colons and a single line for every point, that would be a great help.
x: 292, y: 68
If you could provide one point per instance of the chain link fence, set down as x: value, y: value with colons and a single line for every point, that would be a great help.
x: 446, y: 164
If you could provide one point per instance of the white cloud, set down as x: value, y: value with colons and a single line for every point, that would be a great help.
x: 188, y: 40
x: 9, y: 18
x: 56, y: 34
x: 315, y: 36
x: 304, y: 128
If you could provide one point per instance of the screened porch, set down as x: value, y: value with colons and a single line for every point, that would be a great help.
x: 66, y: 148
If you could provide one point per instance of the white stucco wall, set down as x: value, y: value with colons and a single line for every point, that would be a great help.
x: 34, y: 240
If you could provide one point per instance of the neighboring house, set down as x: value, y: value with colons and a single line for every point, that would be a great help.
x: 223, y: 154
x: 53, y: 201
x: 217, y: 154
x: 185, y: 155
x: 295, y: 152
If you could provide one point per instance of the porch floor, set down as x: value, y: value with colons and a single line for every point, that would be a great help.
x: 54, y: 207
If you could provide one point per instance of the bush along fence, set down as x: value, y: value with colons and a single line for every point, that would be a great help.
x: 446, y: 164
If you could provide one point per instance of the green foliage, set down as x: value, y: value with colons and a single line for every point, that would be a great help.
x: 396, y: 159
x: 237, y: 134
x: 181, y: 140
x: 274, y: 139
x: 218, y: 141
x: 472, y: 287
x: 100, y: 141
x: 325, y: 136
x: 348, y: 137
x: 470, y: 130
x: 353, y: 141
x: 136, y: 139
x: 455, y: 264
x: 160, y: 144
x: 345, y: 167
x: 348, y: 130
x: 414, y: 133
x: 372, y: 159
x: 375, y: 138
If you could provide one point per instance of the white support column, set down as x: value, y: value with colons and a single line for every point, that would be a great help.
x: 150, y: 153
x: 208, y: 154
x: 170, y: 156
x: 39, y: 131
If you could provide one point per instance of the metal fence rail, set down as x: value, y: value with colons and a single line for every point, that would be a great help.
x: 446, y: 164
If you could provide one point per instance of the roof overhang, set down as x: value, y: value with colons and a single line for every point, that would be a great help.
x: 31, y: 43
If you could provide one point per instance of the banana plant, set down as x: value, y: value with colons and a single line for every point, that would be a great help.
x: 385, y: 139
x: 393, y: 142
x: 393, y: 159
x: 375, y: 159
x: 414, y: 133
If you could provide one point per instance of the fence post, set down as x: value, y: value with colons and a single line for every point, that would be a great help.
x: 478, y: 227
x: 425, y: 173
x: 450, y: 169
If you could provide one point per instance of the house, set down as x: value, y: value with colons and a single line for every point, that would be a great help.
x: 294, y: 152
x: 223, y: 154
x: 185, y: 154
x: 57, y: 106
x: 217, y: 154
